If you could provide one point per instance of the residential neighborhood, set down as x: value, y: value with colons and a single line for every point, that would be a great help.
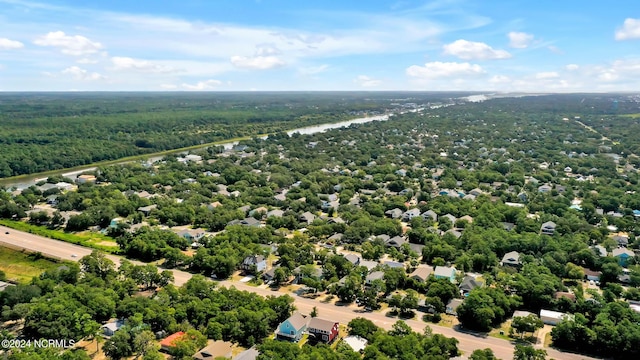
x: 391, y: 226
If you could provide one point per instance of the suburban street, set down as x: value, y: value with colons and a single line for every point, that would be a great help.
x: 467, y: 342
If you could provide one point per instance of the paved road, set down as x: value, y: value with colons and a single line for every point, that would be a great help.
x: 467, y: 342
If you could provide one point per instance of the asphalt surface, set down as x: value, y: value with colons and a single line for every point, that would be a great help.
x: 467, y: 341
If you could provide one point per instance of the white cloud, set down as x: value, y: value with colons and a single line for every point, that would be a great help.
x: 203, y: 85
x: 82, y: 74
x: 468, y: 50
x: 519, y: 40
x: 572, y: 67
x: 367, y: 82
x: 555, y: 49
x: 547, y: 75
x: 437, y: 69
x: 257, y: 62
x: 608, y: 75
x: 127, y: 63
x: 7, y: 44
x: 630, y: 30
x: 313, y: 70
x: 86, y: 61
x: 499, y: 79
x: 76, y: 45
x: 168, y: 86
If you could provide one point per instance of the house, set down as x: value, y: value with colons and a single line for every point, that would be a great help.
x: 269, y: 274
x: 508, y: 226
x: 425, y: 307
x: 275, y: 213
x: 421, y: 273
x: 467, y: 218
x: 335, y: 237
x: 4, y: 285
x: 600, y: 250
x: 307, y: 217
x: 356, y: 343
x: 191, y: 235
x: 169, y: 342
x: 214, y: 350
x: 300, y: 275
x: 512, y: 258
x: 451, y: 218
x: 521, y: 313
x: 445, y: 272
x: 376, y: 275
x: 352, y: 258
x: 111, y: 327
x: 255, y: 263
x: 548, y: 228
x: 430, y: 214
x: 64, y: 186
x: 410, y: 214
x: 382, y: 237
x: 258, y: 212
x: 394, y: 264
x: 452, y: 305
x: 476, y: 192
x: 46, y: 187
x: 394, y: 213
x: 52, y: 200
x: 457, y: 234
x: 115, y: 221
x: 84, y: 179
x: 623, y: 255
x: 322, y: 330
x: 292, y: 328
x: 214, y: 205
x: 249, y: 354
x: 564, y: 294
x: 369, y: 264
x: 146, y: 210
x: 591, y: 275
x: 469, y: 283
x: 193, y: 158
x: 553, y: 317
x: 621, y: 239
x: 396, y: 242
x: 544, y: 189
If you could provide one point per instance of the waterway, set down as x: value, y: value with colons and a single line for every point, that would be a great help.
x: 26, y: 182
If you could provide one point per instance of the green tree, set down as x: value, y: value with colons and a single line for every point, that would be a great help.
x: 527, y: 352
x: 484, y: 354
x: 524, y: 324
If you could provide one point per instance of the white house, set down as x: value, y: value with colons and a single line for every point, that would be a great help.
x: 550, y: 317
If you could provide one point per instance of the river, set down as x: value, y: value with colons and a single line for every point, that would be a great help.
x: 24, y: 183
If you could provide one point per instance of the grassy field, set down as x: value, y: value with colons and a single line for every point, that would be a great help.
x: 21, y: 267
x: 633, y: 116
x: 88, y: 239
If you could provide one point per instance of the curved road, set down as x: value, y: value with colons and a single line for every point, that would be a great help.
x: 467, y: 341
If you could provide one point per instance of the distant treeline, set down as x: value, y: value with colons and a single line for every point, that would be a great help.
x: 49, y: 131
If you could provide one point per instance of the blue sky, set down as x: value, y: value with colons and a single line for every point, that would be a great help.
x: 238, y: 45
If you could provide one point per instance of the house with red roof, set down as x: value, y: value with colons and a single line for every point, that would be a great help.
x: 168, y: 343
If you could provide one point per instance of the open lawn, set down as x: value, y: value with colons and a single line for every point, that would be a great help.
x: 88, y: 239
x: 502, y: 332
x: 21, y: 267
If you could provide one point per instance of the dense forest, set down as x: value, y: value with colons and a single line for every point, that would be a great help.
x: 48, y: 131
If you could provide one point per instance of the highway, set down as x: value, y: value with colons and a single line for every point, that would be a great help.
x: 467, y: 342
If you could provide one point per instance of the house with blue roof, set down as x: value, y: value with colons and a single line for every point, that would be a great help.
x: 293, y: 328
x: 623, y: 255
